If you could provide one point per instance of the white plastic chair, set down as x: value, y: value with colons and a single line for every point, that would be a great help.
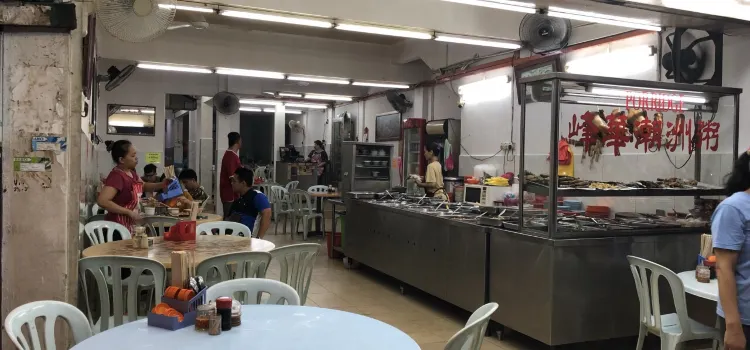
x: 282, y: 206
x: 292, y: 185
x: 50, y: 310
x: 471, y: 336
x: 261, y: 173
x: 125, y: 292
x: 278, y: 292
x: 674, y: 328
x: 304, y: 210
x: 297, y: 263
x: 318, y: 189
x: 157, y: 225
x: 220, y: 228
x: 95, y: 209
x: 102, y: 231
x: 232, y: 266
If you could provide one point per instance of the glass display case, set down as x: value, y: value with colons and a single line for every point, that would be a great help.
x: 623, y: 156
x: 413, y: 160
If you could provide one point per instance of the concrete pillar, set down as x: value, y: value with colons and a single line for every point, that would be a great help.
x: 279, y: 122
x: 201, y: 131
x: 40, y: 90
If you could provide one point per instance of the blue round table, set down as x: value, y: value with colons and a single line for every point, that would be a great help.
x: 277, y: 327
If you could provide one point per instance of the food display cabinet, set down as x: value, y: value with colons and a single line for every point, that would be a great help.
x: 366, y: 166
x: 647, y: 157
x: 628, y: 167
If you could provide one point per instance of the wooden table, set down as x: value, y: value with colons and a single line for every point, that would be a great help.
x: 210, y: 218
x: 204, y: 247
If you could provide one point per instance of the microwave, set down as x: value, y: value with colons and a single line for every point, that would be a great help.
x: 484, y: 195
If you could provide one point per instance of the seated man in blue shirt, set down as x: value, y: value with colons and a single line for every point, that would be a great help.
x: 251, y: 203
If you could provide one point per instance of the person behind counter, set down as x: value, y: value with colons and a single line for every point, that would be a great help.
x: 433, y: 178
x: 730, y: 228
x: 319, y: 157
x: 249, y: 204
x: 189, y: 180
x: 123, y: 187
x: 230, y: 162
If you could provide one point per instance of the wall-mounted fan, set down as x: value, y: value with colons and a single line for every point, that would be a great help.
x: 115, y: 76
x: 135, y: 20
x: 697, y: 54
x: 226, y: 103
x: 398, y: 101
x: 543, y: 34
x: 297, y: 127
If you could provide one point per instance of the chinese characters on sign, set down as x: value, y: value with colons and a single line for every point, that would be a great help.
x: 618, y: 129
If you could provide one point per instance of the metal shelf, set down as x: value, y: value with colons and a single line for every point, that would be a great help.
x: 645, y: 192
x: 368, y: 156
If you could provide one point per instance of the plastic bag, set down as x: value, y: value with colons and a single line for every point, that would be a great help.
x: 173, y: 190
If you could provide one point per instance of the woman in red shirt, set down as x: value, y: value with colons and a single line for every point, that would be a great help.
x: 123, y: 187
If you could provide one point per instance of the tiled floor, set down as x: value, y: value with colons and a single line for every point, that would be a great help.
x: 429, y: 322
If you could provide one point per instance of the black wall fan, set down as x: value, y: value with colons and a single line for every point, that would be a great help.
x: 115, y: 76
x: 689, y: 63
x: 543, y: 34
x: 398, y: 101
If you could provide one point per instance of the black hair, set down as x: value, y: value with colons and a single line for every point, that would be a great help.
x: 149, y: 168
x: 234, y: 137
x: 320, y: 144
x: 739, y: 179
x: 245, y: 175
x: 434, y: 147
x: 188, y: 174
x: 119, y: 149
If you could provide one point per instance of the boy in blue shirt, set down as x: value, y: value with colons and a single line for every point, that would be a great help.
x: 250, y: 204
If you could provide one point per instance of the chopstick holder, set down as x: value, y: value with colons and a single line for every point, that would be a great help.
x: 180, y: 268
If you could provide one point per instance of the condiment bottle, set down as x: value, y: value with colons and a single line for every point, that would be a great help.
x: 224, y: 308
x: 214, y: 324
x: 236, y: 313
x: 204, y: 314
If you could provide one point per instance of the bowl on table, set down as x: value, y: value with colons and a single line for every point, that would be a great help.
x: 174, y: 211
x: 151, y: 211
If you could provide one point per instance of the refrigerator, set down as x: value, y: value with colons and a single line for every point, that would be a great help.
x: 412, y: 151
x: 366, y: 166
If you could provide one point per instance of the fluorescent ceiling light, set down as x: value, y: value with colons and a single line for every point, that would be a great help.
x: 485, y: 90
x: 292, y: 111
x: 384, y: 31
x: 384, y: 85
x: 516, y: 6
x: 250, y: 109
x: 126, y: 123
x: 260, y: 102
x: 174, y: 68
x: 325, y: 80
x: 269, y: 93
x: 306, y: 105
x: 476, y: 41
x: 269, y: 110
x: 668, y: 95
x: 250, y: 73
x: 187, y: 8
x: 602, y: 18
x: 629, y: 62
x: 290, y: 94
x: 328, y: 97
x: 269, y: 17
x: 138, y: 111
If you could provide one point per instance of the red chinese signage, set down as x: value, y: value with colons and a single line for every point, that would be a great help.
x: 620, y: 128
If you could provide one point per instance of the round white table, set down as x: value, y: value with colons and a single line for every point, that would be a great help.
x: 278, y: 327
x: 708, y: 291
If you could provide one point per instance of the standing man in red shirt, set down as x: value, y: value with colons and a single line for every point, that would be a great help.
x: 230, y: 162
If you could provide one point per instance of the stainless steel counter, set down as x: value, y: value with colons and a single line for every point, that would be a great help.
x: 442, y: 257
x: 558, y: 291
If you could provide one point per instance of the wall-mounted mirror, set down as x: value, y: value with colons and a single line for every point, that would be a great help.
x: 130, y: 120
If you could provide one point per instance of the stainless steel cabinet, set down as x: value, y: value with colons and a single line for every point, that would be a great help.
x: 439, y: 256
